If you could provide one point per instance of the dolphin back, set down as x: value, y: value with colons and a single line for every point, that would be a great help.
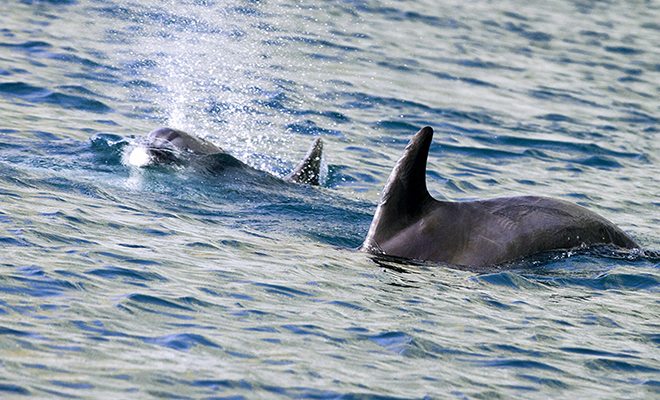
x: 409, y: 223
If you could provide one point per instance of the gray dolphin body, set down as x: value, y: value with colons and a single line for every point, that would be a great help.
x: 409, y: 223
x: 167, y: 145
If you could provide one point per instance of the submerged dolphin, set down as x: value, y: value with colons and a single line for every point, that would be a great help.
x: 410, y: 223
x: 167, y: 145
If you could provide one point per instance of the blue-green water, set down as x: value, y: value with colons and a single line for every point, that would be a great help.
x: 118, y: 282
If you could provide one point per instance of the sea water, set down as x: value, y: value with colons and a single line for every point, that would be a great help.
x: 170, y: 282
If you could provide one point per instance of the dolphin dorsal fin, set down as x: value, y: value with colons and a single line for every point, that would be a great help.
x: 309, y: 169
x: 405, y: 192
x: 406, y: 186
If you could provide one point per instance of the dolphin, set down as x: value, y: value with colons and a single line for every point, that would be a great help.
x: 409, y: 223
x: 173, y: 146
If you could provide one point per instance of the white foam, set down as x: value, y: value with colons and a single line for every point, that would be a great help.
x: 139, y: 157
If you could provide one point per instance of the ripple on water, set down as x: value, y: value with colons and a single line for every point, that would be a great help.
x: 38, y: 95
x: 12, y: 389
x: 181, y: 341
x: 127, y: 275
x: 407, y: 345
x: 143, y: 301
x: 34, y: 281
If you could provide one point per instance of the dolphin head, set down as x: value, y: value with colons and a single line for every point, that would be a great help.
x: 170, y: 146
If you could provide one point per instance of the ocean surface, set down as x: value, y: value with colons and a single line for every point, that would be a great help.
x: 176, y: 283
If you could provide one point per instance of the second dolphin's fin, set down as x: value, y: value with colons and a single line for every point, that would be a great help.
x: 309, y: 170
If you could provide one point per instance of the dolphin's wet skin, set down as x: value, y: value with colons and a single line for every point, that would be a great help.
x: 409, y: 223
